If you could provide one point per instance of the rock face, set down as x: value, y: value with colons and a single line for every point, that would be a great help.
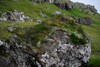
x: 16, y: 16
x: 84, y: 20
x: 14, y: 55
x: 57, y: 51
x: 85, y: 7
x: 8, y: 16
x: 67, y: 5
x: 60, y: 52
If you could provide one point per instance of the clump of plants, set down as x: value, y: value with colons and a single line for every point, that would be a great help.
x: 76, y: 40
x: 34, y: 34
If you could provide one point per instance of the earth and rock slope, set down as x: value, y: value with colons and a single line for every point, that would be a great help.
x: 42, y: 36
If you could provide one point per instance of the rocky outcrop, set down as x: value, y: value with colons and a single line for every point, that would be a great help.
x: 8, y: 16
x: 16, y: 16
x: 14, y: 55
x: 84, y: 20
x: 85, y: 7
x: 67, y: 5
x: 59, y: 51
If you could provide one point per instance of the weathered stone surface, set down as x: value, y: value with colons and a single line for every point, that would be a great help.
x: 17, y: 56
x: 62, y: 53
x: 67, y: 6
x: 8, y: 16
x: 39, y: 20
x: 56, y: 13
x: 60, y: 5
x: 57, y: 51
x: 43, y: 15
x: 10, y: 28
x: 85, y: 7
x: 16, y: 16
x: 85, y: 20
x: 1, y: 43
x: 5, y: 63
x: 20, y: 16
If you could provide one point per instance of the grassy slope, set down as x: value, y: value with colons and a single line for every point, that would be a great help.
x: 94, y: 32
x: 28, y: 7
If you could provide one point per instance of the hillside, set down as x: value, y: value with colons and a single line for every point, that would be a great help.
x: 32, y: 32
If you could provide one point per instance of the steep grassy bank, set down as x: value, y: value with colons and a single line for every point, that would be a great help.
x: 94, y: 32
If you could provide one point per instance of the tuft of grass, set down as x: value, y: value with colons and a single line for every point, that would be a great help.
x: 76, y: 40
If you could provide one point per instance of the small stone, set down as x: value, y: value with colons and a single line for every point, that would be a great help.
x: 0, y: 11
x: 39, y: 44
x: 39, y: 20
x: 56, y: 13
x: 1, y: 43
x: 43, y: 15
x: 10, y: 29
x: 34, y: 12
x: 35, y: 5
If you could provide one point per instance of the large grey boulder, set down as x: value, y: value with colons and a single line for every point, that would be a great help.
x: 85, y: 20
x: 59, y: 51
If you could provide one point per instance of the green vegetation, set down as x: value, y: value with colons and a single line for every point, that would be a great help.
x: 38, y: 32
x: 4, y: 33
x: 94, y: 32
x: 77, y: 40
x: 32, y: 32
